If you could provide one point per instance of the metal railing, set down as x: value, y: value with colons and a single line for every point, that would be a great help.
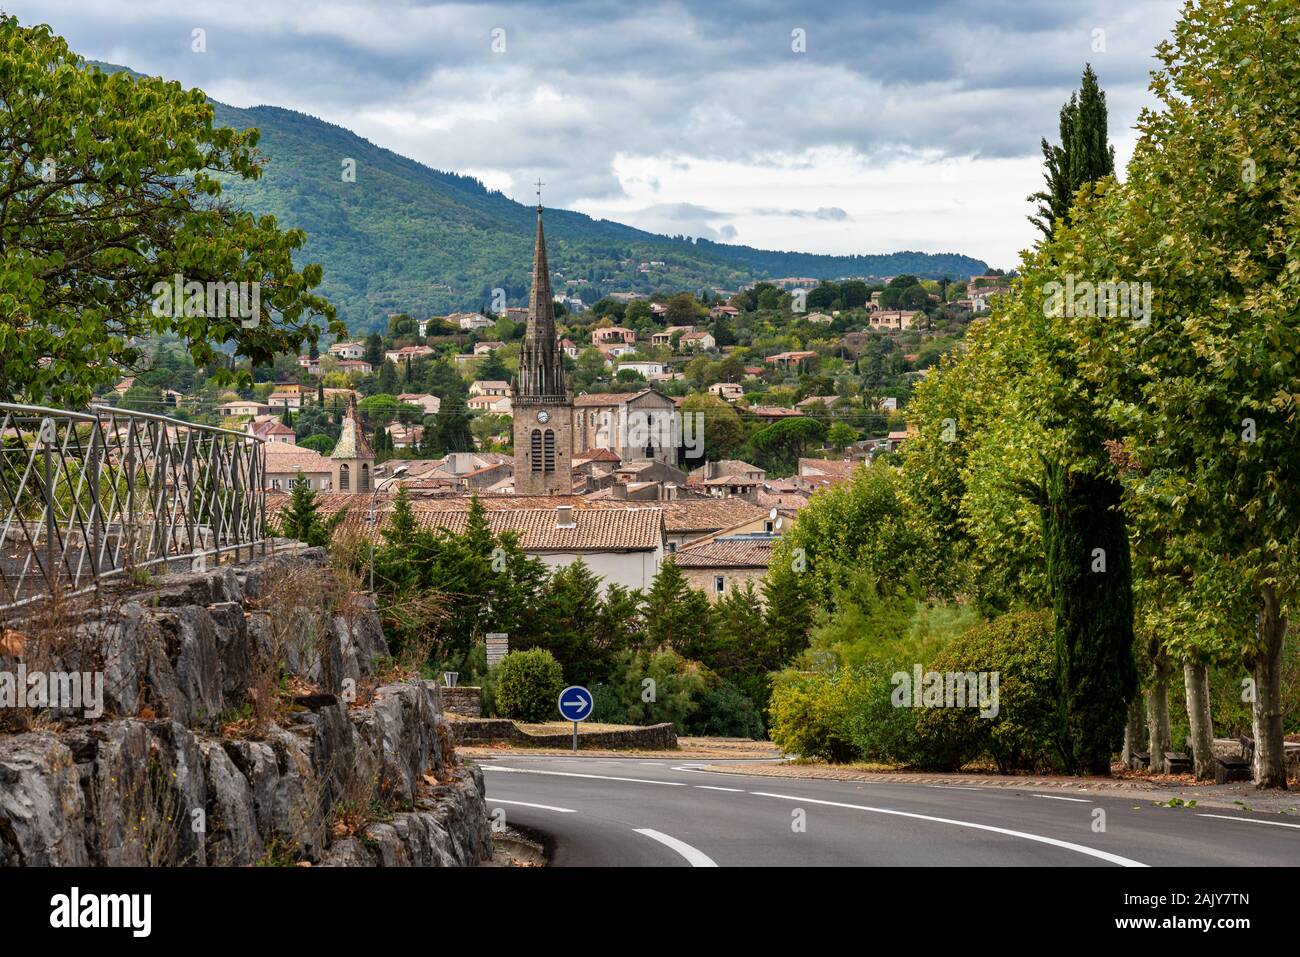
x: 89, y: 496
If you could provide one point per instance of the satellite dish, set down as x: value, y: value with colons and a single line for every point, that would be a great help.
x: 778, y: 524
x: 772, y: 514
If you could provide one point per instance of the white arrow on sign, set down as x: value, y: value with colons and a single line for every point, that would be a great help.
x: 580, y: 703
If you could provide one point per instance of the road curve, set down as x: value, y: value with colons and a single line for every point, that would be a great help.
x: 676, y: 813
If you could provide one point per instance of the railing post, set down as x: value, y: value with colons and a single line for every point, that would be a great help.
x: 48, y: 433
x: 93, y: 481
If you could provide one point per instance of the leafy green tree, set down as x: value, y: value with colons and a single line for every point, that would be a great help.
x: 300, y: 518
x: 779, y: 446
x: 677, y: 616
x: 318, y: 443
x: 1205, y: 392
x: 841, y: 436
x: 101, y: 214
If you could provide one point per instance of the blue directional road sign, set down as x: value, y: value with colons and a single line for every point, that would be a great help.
x: 575, y: 703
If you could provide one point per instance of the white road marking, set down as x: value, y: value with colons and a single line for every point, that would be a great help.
x: 540, y: 807
x: 1069, y: 846
x: 574, y: 774
x: 1249, y: 820
x: 953, y: 787
x: 1057, y: 797
x: 694, y: 856
x: 710, y: 787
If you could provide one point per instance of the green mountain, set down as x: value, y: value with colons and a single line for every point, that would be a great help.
x: 407, y: 238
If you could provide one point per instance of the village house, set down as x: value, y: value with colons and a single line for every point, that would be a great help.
x: 698, y: 340
x: 470, y: 321
x: 726, y: 562
x: 243, y: 407
x: 731, y: 391
x: 285, y: 462
x: 270, y: 429
x: 359, y: 366
x: 773, y: 413
x: 429, y: 403
x: 612, y: 334
x: 893, y: 320
x: 348, y: 350
x: 664, y: 337
x: 728, y: 477
x: 786, y: 360
x: 613, y: 350
x: 398, y: 356
x: 645, y: 369
x: 496, y: 404
x: 310, y: 364
x: 493, y: 387
x: 483, y: 348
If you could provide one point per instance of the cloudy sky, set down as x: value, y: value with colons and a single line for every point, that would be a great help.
x: 899, y: 124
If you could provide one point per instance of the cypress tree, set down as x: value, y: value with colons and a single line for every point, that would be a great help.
x: 1086, y: 542
x: 1084, y: 155
x: 1085, y: 534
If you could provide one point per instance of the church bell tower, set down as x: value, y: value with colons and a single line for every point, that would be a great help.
x: 543, y: 403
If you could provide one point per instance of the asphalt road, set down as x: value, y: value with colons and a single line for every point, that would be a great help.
x: 674, y: 813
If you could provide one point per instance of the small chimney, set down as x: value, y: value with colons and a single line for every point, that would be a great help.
x: 564, y: 516
x: 618, y: 491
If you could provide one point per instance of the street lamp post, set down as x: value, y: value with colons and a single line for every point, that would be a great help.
x: 374, y: 498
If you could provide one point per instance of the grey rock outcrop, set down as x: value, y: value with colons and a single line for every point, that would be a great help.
x: 155, y: 783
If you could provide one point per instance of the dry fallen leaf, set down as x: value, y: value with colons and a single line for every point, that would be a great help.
x: 12, y: 642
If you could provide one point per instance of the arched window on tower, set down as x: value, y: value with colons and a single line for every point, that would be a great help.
x: 363, y: 483
x: 535, y: 449
x: 548, y: 456
x: 344, y: 479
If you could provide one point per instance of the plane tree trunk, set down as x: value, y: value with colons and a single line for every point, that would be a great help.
x: 1196, y: 681
x: 1158, y: 736
x: 1134, y: 732
x: 1266, y: 711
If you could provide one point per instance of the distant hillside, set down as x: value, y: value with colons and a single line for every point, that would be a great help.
x: 407, y: 238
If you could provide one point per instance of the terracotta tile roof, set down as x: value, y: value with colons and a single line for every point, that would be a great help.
x: 735, y: 551
x: 593, y: 530
x: 679, y: 516
x: 607, y: 398
x: 596, y: 455
x: 283, y: 458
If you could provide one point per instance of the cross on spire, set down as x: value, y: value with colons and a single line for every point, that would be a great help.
x: 540, y: 184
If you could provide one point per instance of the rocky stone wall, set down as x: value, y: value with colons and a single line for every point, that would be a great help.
x: 655, y: 737
x: 180, y: 770
x: 464, y: 700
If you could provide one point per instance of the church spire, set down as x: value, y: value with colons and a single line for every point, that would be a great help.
x: 541, y: 366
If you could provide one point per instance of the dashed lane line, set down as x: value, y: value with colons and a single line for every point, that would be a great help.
x: 540, y: 807
x: 694, y: 856
x: 1249, y: 820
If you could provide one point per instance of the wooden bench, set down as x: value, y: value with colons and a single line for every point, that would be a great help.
x: 1177, y: 763
x: 1236, y: 769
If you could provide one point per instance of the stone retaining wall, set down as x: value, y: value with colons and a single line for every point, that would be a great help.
x: 655, y: 737
x: 155, y: 782
x: 463, y: 700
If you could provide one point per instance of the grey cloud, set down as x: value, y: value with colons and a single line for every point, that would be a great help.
x: 581, y: 82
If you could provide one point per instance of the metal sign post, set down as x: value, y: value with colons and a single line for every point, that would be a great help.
x: 575, y: 705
